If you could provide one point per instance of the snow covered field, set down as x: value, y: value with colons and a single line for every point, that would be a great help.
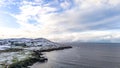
x: 12, y: 57
x: 4, y: 47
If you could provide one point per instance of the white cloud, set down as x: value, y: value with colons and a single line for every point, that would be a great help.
x: 114, y: 2
x: 66, y: 4
x: 75, y: 23
x: 87, y: 36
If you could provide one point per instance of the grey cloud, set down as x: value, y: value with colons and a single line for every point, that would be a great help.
x: 99, y: 14
x: 97, y: 19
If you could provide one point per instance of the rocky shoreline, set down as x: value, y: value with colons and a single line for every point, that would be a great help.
x: 53, y: 49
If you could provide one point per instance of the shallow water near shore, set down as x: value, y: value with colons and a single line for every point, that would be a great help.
x: 84, y: 55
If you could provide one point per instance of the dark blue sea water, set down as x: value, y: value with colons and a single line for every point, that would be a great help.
x: 84, y: 55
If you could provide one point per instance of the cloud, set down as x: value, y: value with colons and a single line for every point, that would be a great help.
x: 89, y: 36
x: 66, y: 20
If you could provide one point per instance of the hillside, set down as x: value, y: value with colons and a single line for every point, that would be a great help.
x: 27, y: 42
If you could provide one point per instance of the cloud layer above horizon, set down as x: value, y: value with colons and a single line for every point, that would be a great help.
x: 61, y: 20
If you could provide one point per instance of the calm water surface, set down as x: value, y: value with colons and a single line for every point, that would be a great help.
x: 84, y: 55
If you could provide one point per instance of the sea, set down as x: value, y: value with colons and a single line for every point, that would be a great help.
x: 83, y: 55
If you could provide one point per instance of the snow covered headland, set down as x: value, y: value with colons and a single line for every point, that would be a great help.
x: 26, y: 42
x: 17, y: 49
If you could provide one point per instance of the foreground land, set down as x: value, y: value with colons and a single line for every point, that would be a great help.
x: 25, y: 57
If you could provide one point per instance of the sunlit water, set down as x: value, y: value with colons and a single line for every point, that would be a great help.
x: 84, y: 56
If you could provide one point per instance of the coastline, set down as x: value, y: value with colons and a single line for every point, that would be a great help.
x: 34, y: 56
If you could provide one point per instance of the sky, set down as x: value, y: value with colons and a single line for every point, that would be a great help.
x: 61, y: 20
